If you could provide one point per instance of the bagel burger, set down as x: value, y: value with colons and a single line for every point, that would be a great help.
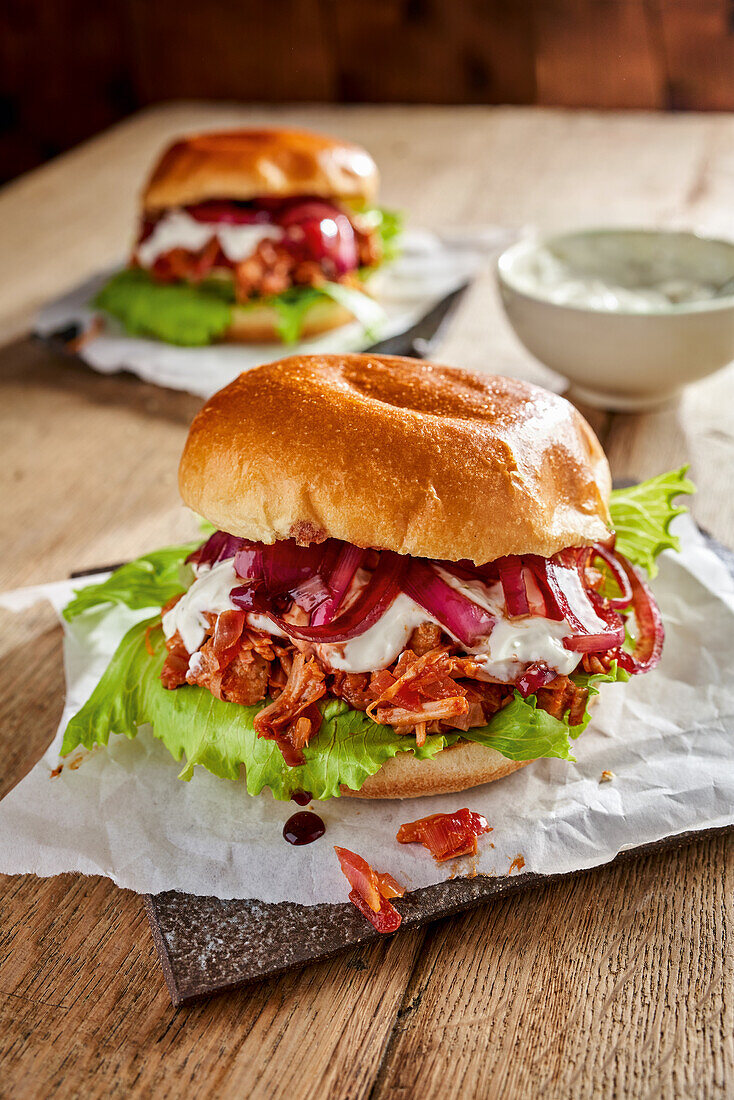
x: 253, y: 235
x: 413, y: 583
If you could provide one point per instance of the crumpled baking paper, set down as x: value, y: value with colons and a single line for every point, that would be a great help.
x: 429, y: 268
x: 667, y: 737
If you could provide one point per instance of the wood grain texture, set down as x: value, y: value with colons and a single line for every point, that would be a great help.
x: 619, y: 984
x: 70, y: 67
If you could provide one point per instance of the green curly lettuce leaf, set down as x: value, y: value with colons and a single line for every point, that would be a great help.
x: 150, y: 581
x: 220, y: 736
x: 174, y: 312
x: 642, y: 515
x: 197, y: 316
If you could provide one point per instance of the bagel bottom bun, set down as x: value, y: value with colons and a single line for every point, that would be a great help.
x: 460, y: 766
x: 456, y: 768
x: 258, y: 323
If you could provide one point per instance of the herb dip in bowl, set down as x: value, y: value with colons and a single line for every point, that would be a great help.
x: 629, y: 316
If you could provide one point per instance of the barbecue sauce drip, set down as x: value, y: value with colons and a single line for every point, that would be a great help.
x: 301, y: 798
x: 303, y: 828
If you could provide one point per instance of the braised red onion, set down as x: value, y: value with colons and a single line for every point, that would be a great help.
x: 370, y: 605
x: 317, y: 578
x: 218, y: 547
x: 339, y: 578
x: 649, y: 621
x: 535, y: 676
x: 458, y: 614
x: 512, y: 577
x: 613, y: 563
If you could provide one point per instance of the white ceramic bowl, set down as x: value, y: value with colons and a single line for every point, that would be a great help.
x: 621, y: 358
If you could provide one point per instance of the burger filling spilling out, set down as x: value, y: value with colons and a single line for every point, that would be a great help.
x: 423, y: 646
x: 263, y: 247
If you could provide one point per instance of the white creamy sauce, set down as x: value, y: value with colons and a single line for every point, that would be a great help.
x: 516, y: 643
x: 177, y: 229
x: 635, y: 287
x: 511, y: 646
x: 382, y: 643
x: 209, y: 592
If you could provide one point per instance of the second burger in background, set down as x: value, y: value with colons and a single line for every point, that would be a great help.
x: 253, y: 235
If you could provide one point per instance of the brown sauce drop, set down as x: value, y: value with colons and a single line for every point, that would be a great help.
x: 303, y: 828
x: 301, y: 798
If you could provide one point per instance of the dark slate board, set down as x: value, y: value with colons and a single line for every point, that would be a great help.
x: 208, y: 946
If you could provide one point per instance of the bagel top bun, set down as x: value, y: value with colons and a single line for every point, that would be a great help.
x: 247, y: 164
x: 397, y: 454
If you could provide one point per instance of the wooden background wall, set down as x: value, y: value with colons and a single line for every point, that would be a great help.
x: 71, y: 67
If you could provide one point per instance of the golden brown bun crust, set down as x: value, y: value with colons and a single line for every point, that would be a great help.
x: 258, y: 324
x: 397, y: 454
x: 246, y: 164
x: 456, y: 768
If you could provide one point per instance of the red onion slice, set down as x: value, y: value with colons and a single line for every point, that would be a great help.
x: 650, y: 629
x: 338, y: 581
x: 370, y: 605
x: 535, y: 676
x: 460, y: 616
x: 218, y: 547
x: 512, y: 577
x: 285, y: 564
x: 617, y: 570
x: 595, y: 627
x: 227, y: 212
x: 248, y: 560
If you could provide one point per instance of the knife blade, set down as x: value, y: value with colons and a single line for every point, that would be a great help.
x: 421, y: 338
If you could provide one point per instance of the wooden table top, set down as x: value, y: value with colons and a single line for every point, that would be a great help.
x: 618, y: 983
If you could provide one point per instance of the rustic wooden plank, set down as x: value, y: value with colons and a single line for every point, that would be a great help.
x: 576, y: 992
x: 604, y: 54
x: 90, y: 477
x: 83, y: 1008
x: 426, y: 51
x: 232, y: 49
x: 698, y: 43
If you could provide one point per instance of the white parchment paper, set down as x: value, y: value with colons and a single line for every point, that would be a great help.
x: 429, y: 268
x: 667, y: 737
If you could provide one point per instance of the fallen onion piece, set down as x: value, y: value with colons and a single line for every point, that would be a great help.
x: 446, y: 835
x: 458, y: 614
x: 371, y: 891
x: 385, y: 920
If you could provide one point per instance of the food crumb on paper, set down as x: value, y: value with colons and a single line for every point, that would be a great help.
x: 517, y: 864
x: 606, y: 777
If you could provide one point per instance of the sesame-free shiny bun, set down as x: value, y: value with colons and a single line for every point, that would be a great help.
x: 248, y: 164
x: 399, y: 454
